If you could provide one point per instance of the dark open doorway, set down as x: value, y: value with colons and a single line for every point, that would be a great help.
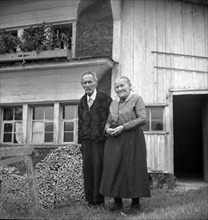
x: 188, y: 136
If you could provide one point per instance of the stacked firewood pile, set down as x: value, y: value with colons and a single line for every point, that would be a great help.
x: 58, y: 178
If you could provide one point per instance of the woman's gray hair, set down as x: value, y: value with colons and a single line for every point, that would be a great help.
x: 90, y: 73
x: 125, y: 78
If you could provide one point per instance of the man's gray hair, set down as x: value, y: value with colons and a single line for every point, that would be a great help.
x: 90, y: 73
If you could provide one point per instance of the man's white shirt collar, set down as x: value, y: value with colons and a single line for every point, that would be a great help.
x: 93, y: 96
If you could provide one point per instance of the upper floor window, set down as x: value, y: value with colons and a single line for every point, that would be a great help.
x: 40, y: 37
x: 12, y: 125
x: 42, y: 124
x: 155, y: 119
x: 69, y: 123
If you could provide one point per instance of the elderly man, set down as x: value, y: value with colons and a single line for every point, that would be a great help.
x: 93, y: 112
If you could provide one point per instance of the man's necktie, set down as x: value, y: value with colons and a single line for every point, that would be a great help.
x: 90, y: 101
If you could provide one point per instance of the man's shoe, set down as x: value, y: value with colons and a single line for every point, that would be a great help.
x: 116, y: 207
x: 91, y: 204
x: 98, y: 203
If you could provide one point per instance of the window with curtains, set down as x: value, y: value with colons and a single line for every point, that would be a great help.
x: 42, y: 124
x: 70, y: 120
x: 39, y: 123
x: 155, y: 119
x: 12, y: 125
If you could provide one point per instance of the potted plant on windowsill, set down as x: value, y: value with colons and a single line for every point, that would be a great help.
x: 8, y: 42
x: 36, y: 43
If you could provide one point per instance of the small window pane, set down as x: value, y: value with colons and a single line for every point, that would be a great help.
x: 68, y: 126
x: 68, y: 137
x: 157, y: 119
x: 18, y: 113
x: 18, y: 138
x: 68, y: 111
x: 49, y: 112
x: 8, y: 113
x: 18, y: 127
x: 48, y: 137
x: 157, y: 113
x: 49, y: 126
x: 8, y: 127
x: 38, y: 113
x: 7, y: 137
x: 158, y: 126
x: 38, y: 126
x: 37, y: 138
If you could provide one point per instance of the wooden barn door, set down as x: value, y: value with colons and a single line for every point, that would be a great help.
x: 191, y: 136
x: 205, y: 138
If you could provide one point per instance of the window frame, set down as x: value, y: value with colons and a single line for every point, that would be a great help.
x: 3, y: 122
x: 20, y: 31
x: 44, y: 120
x: 74, y: 120
x: 150, y: 131
x: 27, y: 122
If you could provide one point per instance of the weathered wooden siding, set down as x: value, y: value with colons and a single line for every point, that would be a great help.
x: 164, y: 45
x: 44, y: 85
x: 49, y: 83
x: 17, y: 13
x: 157, y: 152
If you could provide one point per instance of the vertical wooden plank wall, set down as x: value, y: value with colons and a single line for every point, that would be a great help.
x: 164, y: 46
x: 161, y: 46
x: 199, y: 42
x: 188, y: 41
x: 139, y: 48
x: 127, y: 39
x: 169, y: 34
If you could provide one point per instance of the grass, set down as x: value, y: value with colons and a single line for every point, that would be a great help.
x: 163, y: 204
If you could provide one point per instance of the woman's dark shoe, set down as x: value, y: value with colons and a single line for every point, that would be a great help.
x: 116, y: 207
x: 135, y: 209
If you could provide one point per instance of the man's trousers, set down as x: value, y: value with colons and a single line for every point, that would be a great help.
x: 92, y: 154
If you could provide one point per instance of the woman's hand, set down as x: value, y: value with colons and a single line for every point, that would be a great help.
x: 117, y: 130
x: 109, y: 131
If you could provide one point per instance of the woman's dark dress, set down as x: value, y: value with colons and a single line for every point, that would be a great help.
x: 125, y: 167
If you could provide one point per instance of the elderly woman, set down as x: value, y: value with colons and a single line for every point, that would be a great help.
x: 125, y: 167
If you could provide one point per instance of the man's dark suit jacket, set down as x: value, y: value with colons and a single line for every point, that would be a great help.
x: 91, y: 122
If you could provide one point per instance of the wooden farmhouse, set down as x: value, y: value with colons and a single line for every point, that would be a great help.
x: 161, y: 45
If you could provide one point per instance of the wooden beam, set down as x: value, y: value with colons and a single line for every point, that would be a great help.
x: 179, y: 69
x: 180, y: 54
x: 31, y: 178
x: 11, y: 160
x: 116, y: 9
x: 16, y: 151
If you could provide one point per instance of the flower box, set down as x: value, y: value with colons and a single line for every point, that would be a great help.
x: 35, y: 55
